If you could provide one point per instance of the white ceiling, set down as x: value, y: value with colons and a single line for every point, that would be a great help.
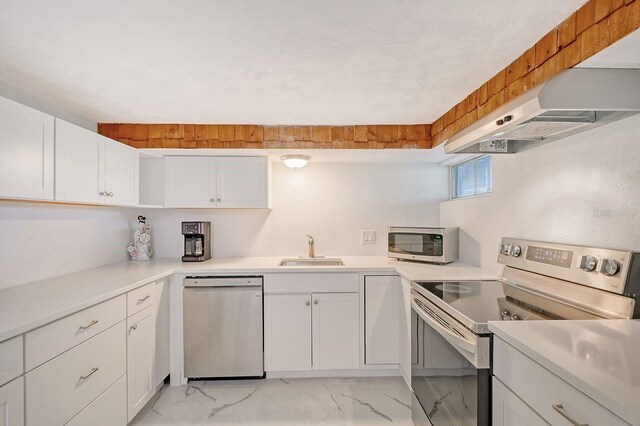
x: 265, y: 62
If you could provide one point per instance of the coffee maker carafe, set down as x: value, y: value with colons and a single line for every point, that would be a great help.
x: 197, y: 241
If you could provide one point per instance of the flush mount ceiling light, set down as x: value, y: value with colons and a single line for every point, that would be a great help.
x: 295, y: 161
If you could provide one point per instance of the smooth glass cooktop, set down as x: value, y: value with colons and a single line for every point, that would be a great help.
x: 477, y: 300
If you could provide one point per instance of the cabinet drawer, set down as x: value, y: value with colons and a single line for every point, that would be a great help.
x: 60, y: 388
x: 311, y: 283
x: 140, y: 298
x: 11, y: 365
x: 541, y: 389
x: 52, y: 339
x: 110, y: 408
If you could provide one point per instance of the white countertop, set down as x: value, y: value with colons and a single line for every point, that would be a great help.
x: 28, y: 306
x: 599, y: 357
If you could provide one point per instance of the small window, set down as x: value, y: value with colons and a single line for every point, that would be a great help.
x: 471, y: 177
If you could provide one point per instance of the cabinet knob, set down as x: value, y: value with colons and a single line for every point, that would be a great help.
x: 315, y: 302
x: 307, y: 303
x: 133, y: 327
x: 102, y: 194
x: 219, y: 199
x: 213, y: 200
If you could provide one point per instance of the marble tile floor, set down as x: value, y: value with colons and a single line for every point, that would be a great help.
x: 326, y: 401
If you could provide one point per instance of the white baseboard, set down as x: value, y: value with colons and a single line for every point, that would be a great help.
x: 390, y: 372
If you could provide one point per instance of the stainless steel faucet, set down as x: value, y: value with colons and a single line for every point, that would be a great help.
x: 311, y: 245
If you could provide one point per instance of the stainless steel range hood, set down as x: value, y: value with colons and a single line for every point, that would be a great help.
x: 573, y: 101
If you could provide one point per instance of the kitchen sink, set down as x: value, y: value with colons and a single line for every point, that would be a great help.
x: 305, y: 261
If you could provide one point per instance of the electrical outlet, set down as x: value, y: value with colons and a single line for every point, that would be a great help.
x: 368, y: 237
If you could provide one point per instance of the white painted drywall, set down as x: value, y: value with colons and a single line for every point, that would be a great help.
x: 331, y: 201
x: 47, y: 107
x: 39, y: 241
x: 584, y: 189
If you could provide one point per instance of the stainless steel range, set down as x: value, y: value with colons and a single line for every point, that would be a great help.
x: 451, y: 342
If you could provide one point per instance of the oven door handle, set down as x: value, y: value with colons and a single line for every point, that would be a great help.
x: 451, y: 337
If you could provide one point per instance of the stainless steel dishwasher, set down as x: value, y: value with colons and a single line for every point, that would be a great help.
x: 223, y: 327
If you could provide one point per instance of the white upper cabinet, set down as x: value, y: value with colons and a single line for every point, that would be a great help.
x: 190, y: 181
x: 222, y: 182
x: 78, y: 157
x: 26, y: 152
x: 91, y: 168
x: 121, y: 174
x: 242, y: 182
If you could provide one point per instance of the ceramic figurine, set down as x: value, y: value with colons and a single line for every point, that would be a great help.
x: 141, y: 249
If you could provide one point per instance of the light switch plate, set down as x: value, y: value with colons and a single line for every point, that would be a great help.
x: 368, y: 237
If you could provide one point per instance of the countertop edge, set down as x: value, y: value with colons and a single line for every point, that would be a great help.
x: 189, y: 269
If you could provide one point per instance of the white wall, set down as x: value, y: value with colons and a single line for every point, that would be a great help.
x: 39, y: 241
x: 584, y: 189
x: 331, y: 201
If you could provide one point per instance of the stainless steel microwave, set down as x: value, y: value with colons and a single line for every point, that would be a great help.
x: 437, y: 245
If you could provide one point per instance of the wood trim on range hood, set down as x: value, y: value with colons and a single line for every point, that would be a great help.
x: 595, y: 26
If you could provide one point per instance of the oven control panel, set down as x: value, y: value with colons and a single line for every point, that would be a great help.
x: 596, y: 267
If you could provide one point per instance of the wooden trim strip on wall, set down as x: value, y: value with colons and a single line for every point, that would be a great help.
x: 595, y: 26
x: 274, y: 137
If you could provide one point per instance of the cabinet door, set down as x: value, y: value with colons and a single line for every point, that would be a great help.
x: 121, y: 174
x: 335, y: 331
x: 509, y: 410
x: 141, y: 353
x: 381, y: 319
x: 79, y: 154
x: 242, y: 182
x: 12, y: 403
x: 404, y: 330
x: 287, y: 332
x: 161, y: 314
x: 26, y: 152
x: 190, y: 182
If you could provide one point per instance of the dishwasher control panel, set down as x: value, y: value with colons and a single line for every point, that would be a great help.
x: 237, y: 281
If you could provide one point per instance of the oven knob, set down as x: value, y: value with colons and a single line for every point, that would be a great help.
x: 515, y: 317
x: 505, y: 315
x: 515, y: 250
x: 610, y: 267
x: 506, y: 248
x: 588, y: 263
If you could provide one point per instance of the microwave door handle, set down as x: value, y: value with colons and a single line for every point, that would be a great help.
x: 452, y: 338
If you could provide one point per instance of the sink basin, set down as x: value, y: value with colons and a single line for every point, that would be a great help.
x: 321, y: 261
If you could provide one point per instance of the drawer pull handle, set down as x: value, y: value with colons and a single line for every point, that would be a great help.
x: 143, y: 299
x: 91, y: 324
x: 86, y: 376
x: 133, y: 327
x: 560, y: 410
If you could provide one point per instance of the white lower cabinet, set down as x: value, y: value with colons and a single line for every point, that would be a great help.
x: 553, y: 399
x: 509, y: 410
x: 12, y: 403
x: 287, y: 332
x: 405, y: 356
x: 335, y: 331
x: 141, y: 335
x: 162, y: 320
x: 381, y: 317
x: 296, y: 323
x: 59, y: 389
x: 110, y: 408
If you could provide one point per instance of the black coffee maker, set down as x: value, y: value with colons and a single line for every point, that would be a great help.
x: 197, y: 241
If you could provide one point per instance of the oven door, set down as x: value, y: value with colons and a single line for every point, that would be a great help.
x: 451, y: 379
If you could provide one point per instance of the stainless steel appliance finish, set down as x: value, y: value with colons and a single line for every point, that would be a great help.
x: 223, y: 327
x: 573, y: 101
x: 540, y: 280
x: 197, y: 241
x: 435, y: 245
